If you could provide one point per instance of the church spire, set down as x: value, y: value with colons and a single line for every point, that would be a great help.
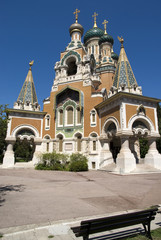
x: 124, y: 79
x: 27, y: 98
x: 124, y: 74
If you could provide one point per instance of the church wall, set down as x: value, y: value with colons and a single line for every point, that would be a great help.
x: 132, y: 110
x: 107, y: 80
x: 114, y: 112
x: 22, y: 121
x: 89, y: 103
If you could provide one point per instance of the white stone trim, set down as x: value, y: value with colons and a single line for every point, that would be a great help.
x: 93, y: 124
x: 47, y: 127
x: 140, y: 117
x: 18, y: 128
x: 110, y: 119
x: 9, y: 126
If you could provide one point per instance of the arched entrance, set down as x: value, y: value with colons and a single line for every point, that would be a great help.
x: 139, y: 142
x: 115, y: 146
x: 24, y: 146
x: 115, y: 143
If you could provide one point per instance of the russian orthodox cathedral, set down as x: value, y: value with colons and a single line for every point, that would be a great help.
x: 95, y: 107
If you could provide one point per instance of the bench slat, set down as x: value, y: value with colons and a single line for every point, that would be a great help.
x: 119, y: 221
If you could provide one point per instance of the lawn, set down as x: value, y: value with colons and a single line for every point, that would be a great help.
x: 156, y: 235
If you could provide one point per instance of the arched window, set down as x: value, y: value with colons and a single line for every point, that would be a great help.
x: 78, y: 115
x: 93, y: 145
x: 70, y: 115
x: 47, y: 122
x: 93, y: 118
x: 72, y: 67
x: 60, y: 117
x: 60, y: 143
x: 47, y: 138
x: 79, y: 137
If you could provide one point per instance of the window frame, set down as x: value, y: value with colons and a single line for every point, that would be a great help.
x: 66, y: 116
x: 93, y: 123
x: 47, y: 122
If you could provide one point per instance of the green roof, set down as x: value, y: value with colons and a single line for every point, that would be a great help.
x: 106, y: 38
x: 93, y: 32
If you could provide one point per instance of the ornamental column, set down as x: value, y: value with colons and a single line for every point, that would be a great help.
x: 125, y: 161
x: 9, y: 158
x: 153, y: 157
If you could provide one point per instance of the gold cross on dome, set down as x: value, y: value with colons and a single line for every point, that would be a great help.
x: 95, y: 15
x: 76, y: 15
x: 104, y: 23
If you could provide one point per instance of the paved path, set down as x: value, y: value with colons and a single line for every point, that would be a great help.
x: 30, y: 197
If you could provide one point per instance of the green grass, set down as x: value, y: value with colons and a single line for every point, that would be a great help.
x: 156, y: 235
x: 51, y: 236
x: 1, y: 235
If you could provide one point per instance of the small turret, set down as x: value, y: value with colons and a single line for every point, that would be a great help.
x: 124, y: 79
x: 27, y: 98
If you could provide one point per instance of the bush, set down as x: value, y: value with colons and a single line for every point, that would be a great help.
x: 143, y: 147
x: 78, y: 163
x: 52, y: 161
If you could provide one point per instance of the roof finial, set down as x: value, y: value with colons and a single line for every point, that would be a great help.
x: 31, y: 63
x: 121, y: 41
x: 104, y: 23
x: 95, y: 15
x: 76, y: 15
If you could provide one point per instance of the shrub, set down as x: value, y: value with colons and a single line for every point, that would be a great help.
x: 52, y: 161
x: 143, y: 147
x: 78, y: 163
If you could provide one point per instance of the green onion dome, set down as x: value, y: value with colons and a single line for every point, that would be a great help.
x: 76, y: 27
x: 114, y: 56
x: 93, y: 32
x: 106, y: 38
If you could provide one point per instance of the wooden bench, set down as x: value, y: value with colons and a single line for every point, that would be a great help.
x: 91, y: 226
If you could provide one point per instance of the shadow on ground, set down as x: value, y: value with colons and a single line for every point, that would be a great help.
x: 4, y: 189
x: 120, y: 235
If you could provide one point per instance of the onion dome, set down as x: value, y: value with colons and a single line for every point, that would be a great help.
x: 106, y: 38
x: 76, y: 27
x: 93, y: 32
x: 114, y: 56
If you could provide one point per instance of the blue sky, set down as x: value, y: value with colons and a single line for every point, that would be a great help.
x: 39, y: 30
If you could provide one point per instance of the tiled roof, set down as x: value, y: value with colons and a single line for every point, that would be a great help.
x: 28, y: 93
x: 124, y: 74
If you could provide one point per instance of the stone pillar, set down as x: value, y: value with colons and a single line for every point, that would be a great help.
x: 9, y: 158
x: 153, y: 157
x: 135, y: 148
x: 38, y: 151
x: 125, y: 161
x: 105, y: 155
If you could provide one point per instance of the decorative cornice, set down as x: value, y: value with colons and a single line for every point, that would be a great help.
x: 127, y: 95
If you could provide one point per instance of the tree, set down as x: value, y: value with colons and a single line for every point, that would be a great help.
x: 24, y: 149
x: 159, y: 126
x: 3, y: 130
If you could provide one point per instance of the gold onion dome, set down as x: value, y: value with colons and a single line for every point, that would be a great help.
x: 76, y: 27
